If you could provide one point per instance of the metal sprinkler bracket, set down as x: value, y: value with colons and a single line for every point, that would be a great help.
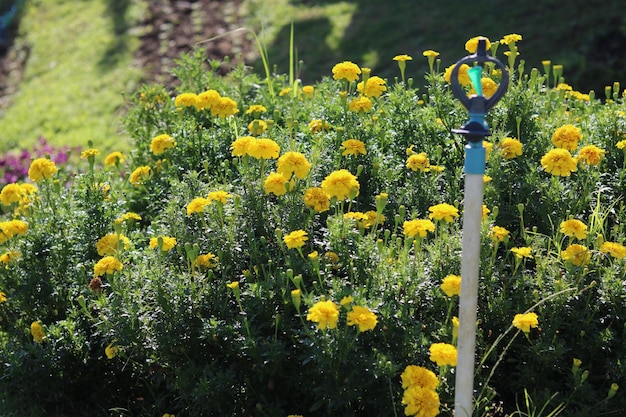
x: 474, y: 132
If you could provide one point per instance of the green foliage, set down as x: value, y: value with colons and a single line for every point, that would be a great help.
x: 163, y: 331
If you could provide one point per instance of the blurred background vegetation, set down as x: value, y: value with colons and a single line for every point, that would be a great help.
x: 70, y: 65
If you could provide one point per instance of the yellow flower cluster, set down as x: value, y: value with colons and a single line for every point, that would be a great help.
x: 210, y: 100
x: 261, y: 148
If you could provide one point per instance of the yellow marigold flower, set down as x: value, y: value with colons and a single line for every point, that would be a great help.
x: 371, y: 218
x: 313, y: 255
x: 7, y: 257
x: 346, y: 301
x: 140, y: 175
x: 186, y: 100
x: 107, y: 265
x: 12, y: 227
x: 511, y: 148
x: 243, y: 146
x: 567, y: 137
x: 374, y: 87
x: 590, y: 155
x: 489, y: 86
x: 451, y: 285
x: 224, y: 107
x: 256, y: 109
x: 316, y: 199
x: 11, y: 193
x: 37, y: 332
x: 430, y: 53
x: 28, y: 188
x: 463, y: 75
x: 220, y: 196
x: 499, y: 234
x: 207, y: 99
x: 525, y: 321
x: 485, y: 212
x: 265, y: 149
x: 284, y: 92
x: 522, y: 252
x: 362, y: 317
x: 308, y: 91
x: 580, y: 96
x: 114, y: 158
x: 420, y: 402
x: 130, y: 216
x: 3, y: 297
x: 574, y: 228
x: 576, y: 254
x: 295, y: 239
x: 276, y: 184
x: 168, y: 243
x: 355, y: 215
x: 558, y: 162
x: 443, y: 211
x: 233, y: 285
x: 511, y: 38
x: 293, y: 163
x: 418, y: 227
x: 360, y: 105
x: 197, y: 205
x: 436, y: 168
x: 161, y: 143
x: 443, y: 354
x: 111, y: 351
x: 207, y: 261
x: 257, y: 127
x: 418, y: 162
x: 417, y: 376
x: 325, y: 314
x: 621, y: 144
x: 402, y: 58
x: 316, y: 126
x: 88, y: 153
x: 346, y: 70
x: 341, y: 184
x: 471, y: 45
x: 111, y: 243
x: 353, y: 147
x: 42, y: 168
x: 614, y: 249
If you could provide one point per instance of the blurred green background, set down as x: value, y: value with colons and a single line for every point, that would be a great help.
x: 80, y: 57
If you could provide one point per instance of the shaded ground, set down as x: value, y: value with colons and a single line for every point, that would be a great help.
x: 170, y: 27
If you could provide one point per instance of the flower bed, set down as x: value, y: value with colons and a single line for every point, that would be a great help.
x: 270, y: 249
